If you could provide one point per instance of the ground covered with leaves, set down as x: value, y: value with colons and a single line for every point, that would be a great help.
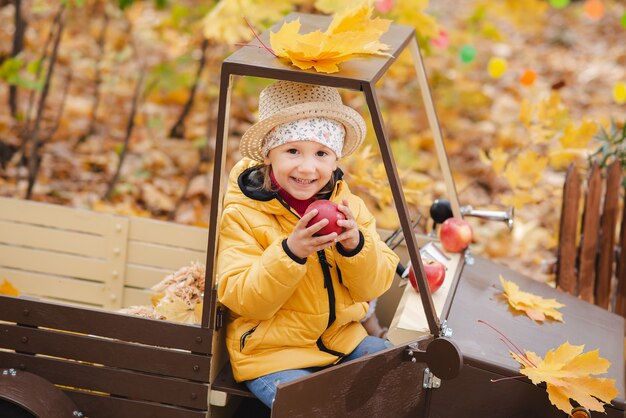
x: 116, y: 107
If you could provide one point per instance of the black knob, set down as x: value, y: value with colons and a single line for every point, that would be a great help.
x: 441, y: 210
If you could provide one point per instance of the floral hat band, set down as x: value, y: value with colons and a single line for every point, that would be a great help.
x: 323, y: 130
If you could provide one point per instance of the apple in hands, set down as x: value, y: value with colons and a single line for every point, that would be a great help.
x: 326, y: 210
x: 435, y: 274
x: 455, y: 234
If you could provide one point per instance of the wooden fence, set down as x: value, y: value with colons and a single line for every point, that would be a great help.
x: 591, y: 262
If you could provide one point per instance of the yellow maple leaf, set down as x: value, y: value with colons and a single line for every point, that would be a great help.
x: 7, y: 288
x: 350, y: 32
x: 578, y: 137
x: 413, y: 13
x: 567, y: 373
x: 225, y: 22
x: 497, y: 159
x: 174, y: 308
x: 524, y: 14
x: 560, y: 159
x: 535, y: 307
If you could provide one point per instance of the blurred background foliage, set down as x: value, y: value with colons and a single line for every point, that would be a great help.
x: 111, y: 106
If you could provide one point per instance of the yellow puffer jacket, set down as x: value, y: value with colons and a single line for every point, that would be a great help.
x: 283, y: 314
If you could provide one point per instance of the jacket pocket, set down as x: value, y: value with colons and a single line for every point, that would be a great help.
x: 244, y: 337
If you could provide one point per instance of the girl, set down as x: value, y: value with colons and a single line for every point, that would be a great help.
x: 295, y: 298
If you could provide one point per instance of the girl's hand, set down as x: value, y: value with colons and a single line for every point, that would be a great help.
x: 302, y: 243
x: 349, y: 238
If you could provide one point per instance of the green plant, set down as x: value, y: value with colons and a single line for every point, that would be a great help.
x: 612, y: 147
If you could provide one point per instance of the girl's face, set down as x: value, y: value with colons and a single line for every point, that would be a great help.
x: 302, y: 168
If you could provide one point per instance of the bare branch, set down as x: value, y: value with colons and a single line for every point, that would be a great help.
x: 18, y: 45
x: 57, y: 122
x: 178, y: 130
x: 98, y: 80
x: 129, y: 130
x: 34, y: 159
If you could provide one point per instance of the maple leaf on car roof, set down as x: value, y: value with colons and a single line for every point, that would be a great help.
x: 350, y: 33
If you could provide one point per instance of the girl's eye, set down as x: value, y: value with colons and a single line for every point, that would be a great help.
x: 292, y: 151
x: 322, y: 153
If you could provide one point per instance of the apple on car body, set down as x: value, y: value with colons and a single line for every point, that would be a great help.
x: 435, y: 274
x: 455, y: 234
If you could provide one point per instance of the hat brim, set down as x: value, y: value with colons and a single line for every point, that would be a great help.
x: 252, y: 140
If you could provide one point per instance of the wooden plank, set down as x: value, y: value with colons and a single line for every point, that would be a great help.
x: 568, y: 232
x: 225, y: 382
x: 116, y: 243
x: 114, y: 381
x: 165, y: 257
x: 168, y: 233
x: 52, y: 239
x: 52, y: 263
x: 56, y: 216
x: 119, y: 354
x: 589, y: 240
x: 135, y: 297
x: 386, y: 384
x: 55, y: 287
x: 105, y: 324
x: 607, y: 234
x: 144, y: 277
x: 620, y: 296
x: 478, y: 297
x: 94, y: 405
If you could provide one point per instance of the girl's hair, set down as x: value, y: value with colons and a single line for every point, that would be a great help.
x: 260, y: 179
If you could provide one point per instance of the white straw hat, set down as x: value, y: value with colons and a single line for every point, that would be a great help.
x: 285, y: 101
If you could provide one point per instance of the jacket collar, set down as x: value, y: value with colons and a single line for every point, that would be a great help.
x: 251, y: 189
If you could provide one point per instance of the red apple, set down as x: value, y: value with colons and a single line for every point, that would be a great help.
x: 326, y: 210
x: 435, y: 274
x: 455, y: 234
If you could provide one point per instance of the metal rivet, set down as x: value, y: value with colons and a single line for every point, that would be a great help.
x: 112, y: 296
x: 196, y: 367
x: 198, y: 339
x: 26, y: 312
x: 194, y: 396
x: 115, y: 273
x: 118, y: 227
x: 116, y: 251
x: 24, y: 340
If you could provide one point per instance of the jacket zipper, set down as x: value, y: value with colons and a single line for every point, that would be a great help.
x: 330, y: 290
x: 242, y: 340
x: 328, y: 285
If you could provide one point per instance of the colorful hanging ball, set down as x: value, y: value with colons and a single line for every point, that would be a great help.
x: 496, y: 67
x: 619, y: 92
x: 528, y: 78
x: 467, y: 53
x: 442, y: 41
x: 594, y: 9
x: 559, y: 4
x: 384, y: 6
x: 623, y: 20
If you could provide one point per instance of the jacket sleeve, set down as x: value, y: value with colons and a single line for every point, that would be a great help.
x: 368, y: 273
x: 253, y: 282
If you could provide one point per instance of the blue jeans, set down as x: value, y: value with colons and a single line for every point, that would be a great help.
x: 264, y: 387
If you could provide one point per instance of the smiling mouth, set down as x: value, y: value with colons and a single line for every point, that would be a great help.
x: 303, y: 181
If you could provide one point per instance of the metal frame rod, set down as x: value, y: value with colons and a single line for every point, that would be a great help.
x: 433, y: 121
x: 401, y: 207
x: 221, y: 139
